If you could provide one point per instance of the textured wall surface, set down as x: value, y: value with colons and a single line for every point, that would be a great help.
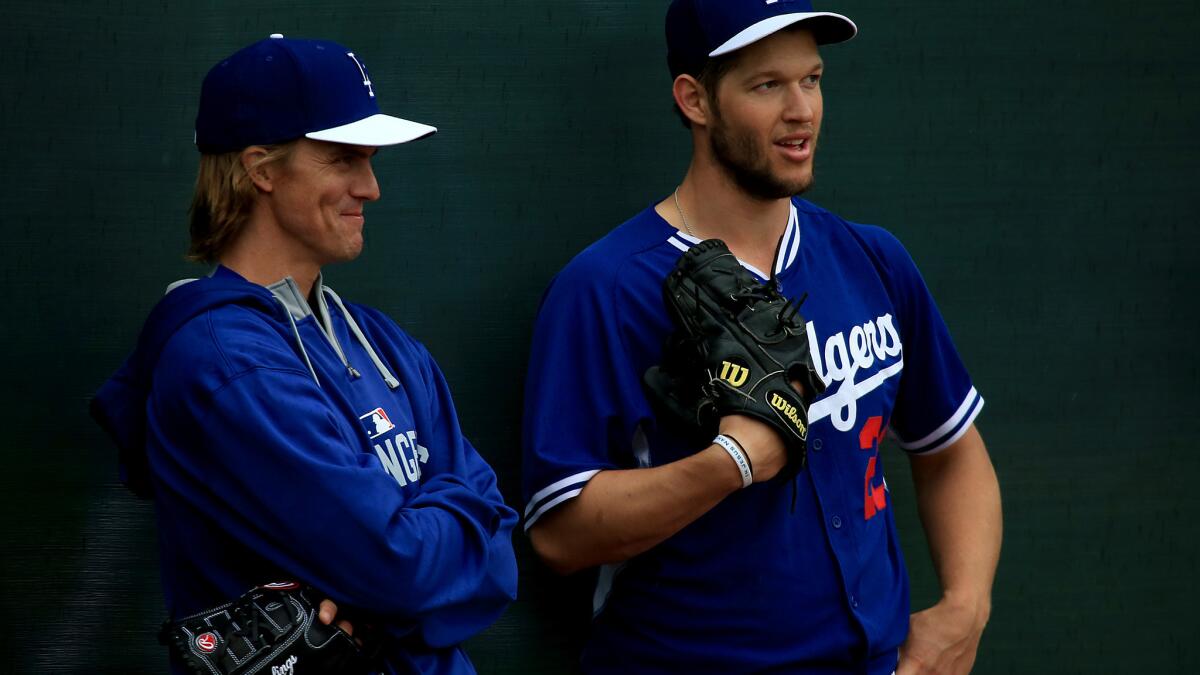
x: 1039, y: 160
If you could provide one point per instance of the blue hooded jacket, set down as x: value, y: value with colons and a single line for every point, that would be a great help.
x: 280, y: 443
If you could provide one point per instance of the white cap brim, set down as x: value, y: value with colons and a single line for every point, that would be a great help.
x: 775, y: 24
x: 375, y: 130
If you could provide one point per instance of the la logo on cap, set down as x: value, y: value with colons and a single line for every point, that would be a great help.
x: 366, y: 80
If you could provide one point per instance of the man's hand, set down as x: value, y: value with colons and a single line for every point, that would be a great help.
x: 327, y: 613
x: 942, y: 640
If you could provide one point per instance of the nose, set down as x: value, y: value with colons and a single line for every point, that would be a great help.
x: 365, y: 186
x: 801, y: 104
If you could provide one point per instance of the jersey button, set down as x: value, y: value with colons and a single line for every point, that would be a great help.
x: 816, y: 444
x: 837, y: 522
x: 854, y: 602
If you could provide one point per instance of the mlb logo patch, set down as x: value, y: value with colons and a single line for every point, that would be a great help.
x: 376, y: 423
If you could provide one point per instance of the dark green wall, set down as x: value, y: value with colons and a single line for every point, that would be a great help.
x: 1038, y: 159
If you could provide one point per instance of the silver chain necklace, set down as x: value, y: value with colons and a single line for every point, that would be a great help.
x: 681, y: 216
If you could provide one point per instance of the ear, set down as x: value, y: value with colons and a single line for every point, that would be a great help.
x: 691, y: 99
x: 261, y: 174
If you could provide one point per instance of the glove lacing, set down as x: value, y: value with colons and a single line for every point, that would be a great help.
x: 249, y: 620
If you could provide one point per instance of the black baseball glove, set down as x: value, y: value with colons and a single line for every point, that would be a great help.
x: 737, y: 347
x: 271, y: 629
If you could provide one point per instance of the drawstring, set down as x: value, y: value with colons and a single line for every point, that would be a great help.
x: 391, y: 381
x: 387, y: 376
x: 300, y: 343
x: 354, y: 374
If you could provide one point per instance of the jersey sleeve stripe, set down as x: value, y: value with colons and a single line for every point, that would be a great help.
x: 558, y: 486
x: 570, y: 494
x: 951, y: 431
x: 957, y: 433
x: 947, y: 426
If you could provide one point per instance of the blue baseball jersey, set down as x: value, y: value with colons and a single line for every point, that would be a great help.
x: 809, y: 580
x: 318, y: 445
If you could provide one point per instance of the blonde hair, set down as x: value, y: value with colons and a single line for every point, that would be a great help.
x: 223, y: 198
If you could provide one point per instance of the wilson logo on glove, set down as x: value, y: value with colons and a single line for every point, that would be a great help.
x: 733, y: 373
x: 791, y: 412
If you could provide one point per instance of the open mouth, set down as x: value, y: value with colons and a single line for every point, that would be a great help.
x: 796, y: 148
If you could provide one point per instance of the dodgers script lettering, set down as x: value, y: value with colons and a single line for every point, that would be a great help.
x: 840, y: 360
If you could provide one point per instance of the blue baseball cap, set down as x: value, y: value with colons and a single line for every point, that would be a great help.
x: 280, y: 89
x: 700, y: 29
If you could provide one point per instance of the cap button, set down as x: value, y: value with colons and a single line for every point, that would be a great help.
x: 277, y: 36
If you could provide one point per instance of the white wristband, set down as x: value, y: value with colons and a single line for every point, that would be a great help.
x: 735, y: 451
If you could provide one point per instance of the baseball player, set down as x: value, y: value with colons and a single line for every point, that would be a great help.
x: 704, y: 568
x: 287, y: 434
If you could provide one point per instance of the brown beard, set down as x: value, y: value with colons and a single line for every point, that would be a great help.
x: 737, y: 152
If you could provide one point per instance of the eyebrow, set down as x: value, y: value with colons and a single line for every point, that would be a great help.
x: 343, y: 149
x: 776, y: 73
